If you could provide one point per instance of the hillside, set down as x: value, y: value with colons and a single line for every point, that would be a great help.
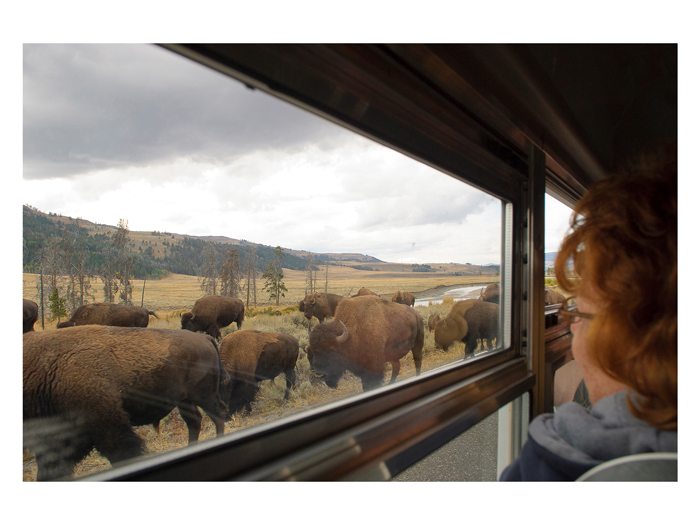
x: 157, y: 253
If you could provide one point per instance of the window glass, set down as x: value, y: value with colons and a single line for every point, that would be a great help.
x: 153, y: 181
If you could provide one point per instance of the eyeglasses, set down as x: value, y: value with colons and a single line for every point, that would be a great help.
x: 569, y: 311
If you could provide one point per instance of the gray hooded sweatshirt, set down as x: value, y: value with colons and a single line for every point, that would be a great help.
x: 564, y: 445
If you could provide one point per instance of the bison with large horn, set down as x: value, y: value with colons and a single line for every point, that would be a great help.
x: 86, y: 387
x: 468, y: 321
x: 365, y: 333
x: 109, y: 314
x: 321, y: 305
x: 406, y: 298
x: 251, y: 356
x: 30, y: 313
x: 213, y: 312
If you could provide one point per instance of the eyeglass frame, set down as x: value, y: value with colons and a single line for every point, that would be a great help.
x: 570, y: 315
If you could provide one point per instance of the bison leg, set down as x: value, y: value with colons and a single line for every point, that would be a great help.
x: 119, y: 443
x: 395, y: 368
x: 371, y: 381
x: 291, y: 378
x: 192, y: 417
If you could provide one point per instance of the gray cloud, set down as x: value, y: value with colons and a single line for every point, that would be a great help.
x: 95, y: 107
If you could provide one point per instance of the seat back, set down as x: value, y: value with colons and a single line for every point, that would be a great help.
x: 653, y: 466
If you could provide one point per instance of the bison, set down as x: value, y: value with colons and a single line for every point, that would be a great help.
x: 492, y: 294
x: 552, y: 296
x: 86, y: 387
x: 321, y: 305
x: 432, y: 321
x: 30, y: 313
x: 109, y: 314
x: 251, y: 356
x: 468, y: 321
x: 213, y: 312
x: 406, y: 298
x: 365, y: 333
x: 364, y: 291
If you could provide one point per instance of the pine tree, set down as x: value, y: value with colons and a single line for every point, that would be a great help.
x: 273, y: 276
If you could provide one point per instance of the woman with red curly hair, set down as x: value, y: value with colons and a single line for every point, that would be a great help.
x: 624, y: 321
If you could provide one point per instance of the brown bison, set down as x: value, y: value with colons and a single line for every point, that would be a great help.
x: 213, y: 312
x: 468, y: 321
x: 364, y: 291
x: 251, y: 356
x: 30, y: 313
x: 552, y: 296
x: 321, y: 305
x: 86, y: 387
x: 492, y: 294
x: 109, y: 314
x: 406, y: 298
x: 432, y: 321
x: 365, y: 333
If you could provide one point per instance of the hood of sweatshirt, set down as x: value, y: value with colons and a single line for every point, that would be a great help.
x: 605, y: 432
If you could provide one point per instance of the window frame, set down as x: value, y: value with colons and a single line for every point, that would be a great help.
x: 377, y: 434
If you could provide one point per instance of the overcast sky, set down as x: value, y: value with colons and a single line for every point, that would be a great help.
x: 140, y: 133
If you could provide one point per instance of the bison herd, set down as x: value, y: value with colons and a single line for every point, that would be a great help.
x: 87, y: 384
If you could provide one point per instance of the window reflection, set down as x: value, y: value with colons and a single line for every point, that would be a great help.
x: 389, y: 269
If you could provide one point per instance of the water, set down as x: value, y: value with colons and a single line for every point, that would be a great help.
x: 467, y: 292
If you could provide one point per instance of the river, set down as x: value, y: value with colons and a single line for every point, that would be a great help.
x: 466, y: 292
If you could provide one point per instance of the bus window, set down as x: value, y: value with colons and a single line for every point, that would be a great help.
x: 360, y: 266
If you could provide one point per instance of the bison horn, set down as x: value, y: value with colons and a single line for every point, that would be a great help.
x: 344, y: 336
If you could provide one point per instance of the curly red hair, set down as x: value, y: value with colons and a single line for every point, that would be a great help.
x: 624, y: 247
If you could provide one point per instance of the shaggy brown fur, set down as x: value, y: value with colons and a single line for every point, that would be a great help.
x: 364, y: 291
x: 213, y: 312
x: 321, y: 305
x: 406, y: 298
x: 86, y: 387
x: 30, y: 313
x: 552, y: 296
x: 432, y: 321
x: 379, y: 331
x: 251, y: 356
x: 492, y: 294
x: 468, y: 321
x: 109, y: 314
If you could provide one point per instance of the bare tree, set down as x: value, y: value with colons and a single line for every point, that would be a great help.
x: 209, y: 269
x: 310, y: 281
x: 231, y: 274
x: 108, y: 275
x: 251, y: 275
x: 74, y: 253
x: 124, y: 264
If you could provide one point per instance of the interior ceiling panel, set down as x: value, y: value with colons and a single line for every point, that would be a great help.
x: 590, y: 107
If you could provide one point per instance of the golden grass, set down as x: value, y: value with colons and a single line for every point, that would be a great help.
x: 177, y: 293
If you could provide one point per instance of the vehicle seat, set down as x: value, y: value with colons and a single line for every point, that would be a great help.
x: 653, y: 466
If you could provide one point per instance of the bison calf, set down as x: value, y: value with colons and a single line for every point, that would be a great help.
x: 365, y: 333
x: 468, y: 321
x: 213, y: 312
x: 86, y: 387
x: 251, y: 356
x: 109, y: 314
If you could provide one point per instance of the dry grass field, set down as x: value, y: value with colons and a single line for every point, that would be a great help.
x: 174, y: 294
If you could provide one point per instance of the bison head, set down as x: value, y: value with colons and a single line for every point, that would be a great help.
x: 449, y: 330
x: 189, y: 322
x: 324, y: 343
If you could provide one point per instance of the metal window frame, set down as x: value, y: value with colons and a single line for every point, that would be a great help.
x: 377, y: 434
